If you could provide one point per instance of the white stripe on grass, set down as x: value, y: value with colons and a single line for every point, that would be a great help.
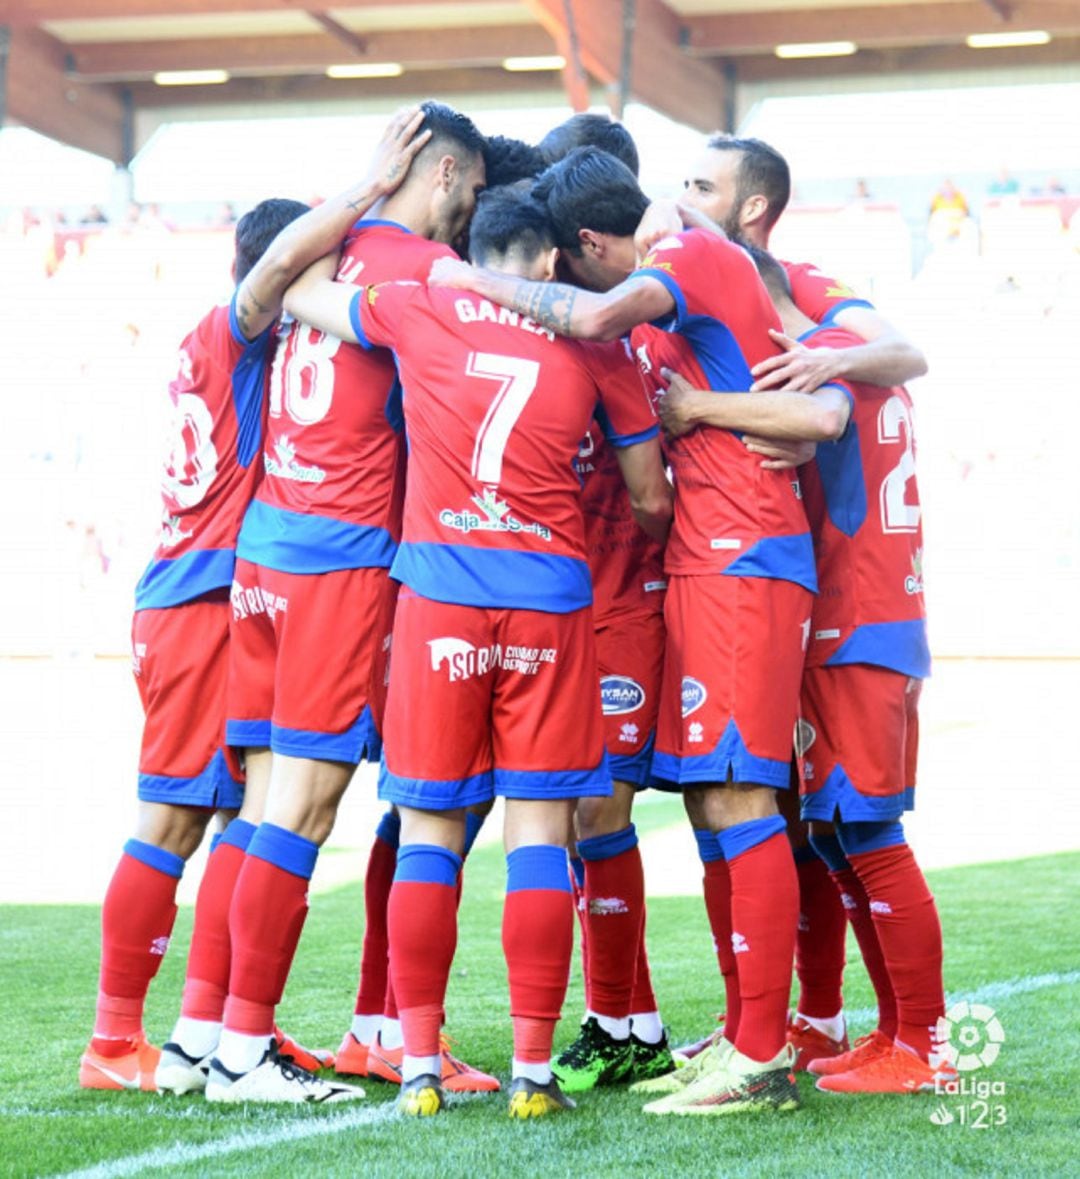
x: 179, y: 1153
x: 990, y: 992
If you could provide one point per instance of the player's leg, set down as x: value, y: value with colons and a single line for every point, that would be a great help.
x: 432, y: 772
x: 180, y: 672
x: 321, y: 727
x: 548, y: 744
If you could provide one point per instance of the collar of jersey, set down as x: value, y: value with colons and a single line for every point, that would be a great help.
x: 818, y: 327
x: 365, y: 223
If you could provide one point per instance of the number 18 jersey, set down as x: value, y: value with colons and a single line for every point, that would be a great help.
x: 495, y: 409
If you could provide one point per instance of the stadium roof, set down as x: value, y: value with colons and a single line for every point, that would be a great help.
x: 80, y: 70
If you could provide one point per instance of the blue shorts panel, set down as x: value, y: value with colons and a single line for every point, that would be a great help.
x: 553, y: 784
x: 730, y: 759
x: 428, y: 794
x: 359, y: 742
x: 634, y: 768
x: 215, y: 787
x: 248, y: 734
x: 839, y: 798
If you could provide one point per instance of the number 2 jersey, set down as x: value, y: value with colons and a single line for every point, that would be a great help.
x: 496, y: 407
x: 333, y: 462
x: 862, y: 501
x: 731, y: 516
x: 219, y: 402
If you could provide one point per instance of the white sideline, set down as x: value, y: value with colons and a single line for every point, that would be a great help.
x: 176, y: 1154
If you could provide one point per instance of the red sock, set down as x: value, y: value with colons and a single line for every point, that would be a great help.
x: 207, y: 981
x: 615, y: 909
x: 642, y: 1000
x: 717, y: 885
x: 538, y: 941
x: 136, y: 922
x: 375, y: 960
x: 857, y: 906
x: 268, y: 911
x: 819, y: 944
x: 909, y: 931
x: 422, y: 925
x: 764, y: 914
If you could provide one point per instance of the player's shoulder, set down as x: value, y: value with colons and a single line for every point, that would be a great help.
x: 810, y: 274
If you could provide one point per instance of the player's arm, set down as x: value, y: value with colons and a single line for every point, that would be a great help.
x: 667, y: 217
x: 315, y: 298
x: 564, y: 309
x: 258, y: 299
x: 651, y: 496
x: 886, y: 358
x: 782, y: 415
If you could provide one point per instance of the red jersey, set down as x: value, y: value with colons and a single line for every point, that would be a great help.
x: 626, y: 564
x: 862, y: 501
x: 731, y: 516
x: 495, y: 409
x: 818, y: 296
x: 334, y: 467
x: 219, y: 401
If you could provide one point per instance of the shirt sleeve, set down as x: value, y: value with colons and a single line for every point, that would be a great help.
x: 819, y: 296
x: 703, y: 272
x: 625, y: 413
x: 375, y: 312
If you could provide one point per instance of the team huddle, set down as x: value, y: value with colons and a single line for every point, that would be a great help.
x: 622, y: 502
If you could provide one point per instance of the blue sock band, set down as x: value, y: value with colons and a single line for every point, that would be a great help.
x: 606, y: 847
x: 743, y: 837
x: 577, y: 866
x: 427, y: 863
x: 389, y: 829
x: 708, y: 845
x: 239, y: 833
x: 284, y: 849
x: 540, y: 865
x: 155, y: 857
x: 867, y: 837
x: 829, y: 849
x: 473, y: 823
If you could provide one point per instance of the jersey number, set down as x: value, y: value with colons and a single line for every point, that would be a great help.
x: 894, y: 425
x: 192, y: 462
x: 302, y: 379
x: 517, y: 379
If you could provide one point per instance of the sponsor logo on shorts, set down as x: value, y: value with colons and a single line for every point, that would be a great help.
x: 629, y: 733
x: 694, y: 694
x: 651, y: 587
x: 138, y: 654
x: 882, y: 908
x: 725, y: 542
x: 463, y: 660
x: 607, y: 906
x: 620, y: 694
x: 695, y: 733
x: 913, y: 583
x: 158, y: 946
x: 494, y: 516
x: 283, y: 464
x: 831, y: 633
x: 739, y: 944
x: 248, y: 601
x: 805, y: 736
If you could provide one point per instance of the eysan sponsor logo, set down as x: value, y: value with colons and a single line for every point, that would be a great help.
x: 620, y: 694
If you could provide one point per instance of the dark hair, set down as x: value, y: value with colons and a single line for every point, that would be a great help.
x: 508, y: 161
x: 762, y: 170
x: 257, y: 229
x: 773, y: 274
x: 590, y: 189
x: 587, y: 130
x: 508, y: 219
x: 450, y: 126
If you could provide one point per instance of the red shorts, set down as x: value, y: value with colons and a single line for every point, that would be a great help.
x: 732, y: 668
x: 630, y: 656
x: 491, y: 701
x: 308, y: 661
x: 180, y: 657
x: 858, y: 742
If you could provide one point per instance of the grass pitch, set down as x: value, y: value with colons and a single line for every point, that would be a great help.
x: 1011, y: 941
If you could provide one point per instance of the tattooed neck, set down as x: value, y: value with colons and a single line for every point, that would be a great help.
x: 550, y: 304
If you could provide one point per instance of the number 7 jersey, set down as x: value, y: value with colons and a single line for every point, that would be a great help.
x: 862, y: 502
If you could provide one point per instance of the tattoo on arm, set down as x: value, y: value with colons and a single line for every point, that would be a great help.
x: 244, y: 313
x: 548, y: 303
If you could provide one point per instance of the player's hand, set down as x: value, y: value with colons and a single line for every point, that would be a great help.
x: 397, y: 149
x: 662, y: 219
x: 779, y: 456
x: 798, y: 368
x: 676, y: 403
x: 452, y: 272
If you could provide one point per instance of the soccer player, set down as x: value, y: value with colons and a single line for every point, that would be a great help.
x: 312, y: 604
x: 587, y: 129
x: 493, y: 627
x: 867, y: 657
x: 740, y: 565
x: 180, y: 630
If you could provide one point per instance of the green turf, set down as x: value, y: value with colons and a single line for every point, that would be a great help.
x: 1002, y: 922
